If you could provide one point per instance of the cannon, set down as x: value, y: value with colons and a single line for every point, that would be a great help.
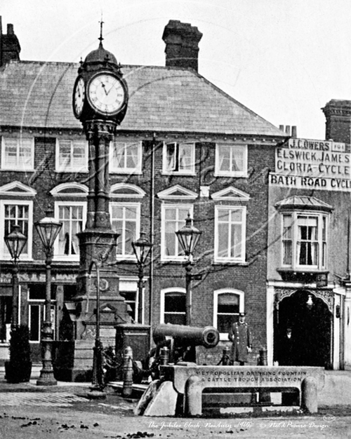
x: 181, y: 340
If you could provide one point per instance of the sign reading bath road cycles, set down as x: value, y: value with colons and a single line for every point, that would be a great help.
x: 312, y: 164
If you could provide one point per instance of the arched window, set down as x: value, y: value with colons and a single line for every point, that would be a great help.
x: 228, y: 303
x: 70, y: 210
x: 125, y: 210
x: 173, y: 306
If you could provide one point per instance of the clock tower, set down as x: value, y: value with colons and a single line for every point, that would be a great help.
x: 100, y: 101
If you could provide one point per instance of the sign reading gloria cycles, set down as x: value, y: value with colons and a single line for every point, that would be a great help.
x: 317, y: 164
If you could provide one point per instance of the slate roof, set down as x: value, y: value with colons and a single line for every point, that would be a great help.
x: 162, y: 99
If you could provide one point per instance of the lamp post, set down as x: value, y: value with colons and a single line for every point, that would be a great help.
x: 188, y: 237
x: 15, y: 243
x: 48, y: 229
x: 141, y: 249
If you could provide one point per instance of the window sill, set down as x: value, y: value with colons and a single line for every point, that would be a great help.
x: 231, y: 174
x: 126, y: 171
x: 180, y: 174
x: 18, y: 170
x: 69, y: 171
x: 240, y: 263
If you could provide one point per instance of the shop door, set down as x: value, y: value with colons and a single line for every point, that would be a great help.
x: 309, y: 320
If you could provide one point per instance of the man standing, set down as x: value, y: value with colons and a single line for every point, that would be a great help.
x: 241, y: 337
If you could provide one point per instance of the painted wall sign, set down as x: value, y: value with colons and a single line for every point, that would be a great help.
x: 303, y: 163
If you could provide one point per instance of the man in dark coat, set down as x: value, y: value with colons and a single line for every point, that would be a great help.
x: 287, y: 349
x: 240, y: 335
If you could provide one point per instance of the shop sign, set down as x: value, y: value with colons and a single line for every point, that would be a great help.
x: 312, y: 164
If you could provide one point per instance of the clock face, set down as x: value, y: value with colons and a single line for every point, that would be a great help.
x: 78, y: 97
x: 106, y: 94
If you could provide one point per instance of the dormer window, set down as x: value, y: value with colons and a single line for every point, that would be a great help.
x: 304, y: 233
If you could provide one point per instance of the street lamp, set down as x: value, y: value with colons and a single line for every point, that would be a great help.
x: 188, y: 237
x: 141, y: 249
x: 15, y: 243
x: 48, y: 229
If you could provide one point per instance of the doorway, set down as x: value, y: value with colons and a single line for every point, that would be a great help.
x: 308, y: 320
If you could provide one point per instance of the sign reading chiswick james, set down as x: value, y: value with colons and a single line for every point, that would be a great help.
x: 312, y: 164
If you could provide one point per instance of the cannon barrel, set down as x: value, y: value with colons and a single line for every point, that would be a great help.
x: 187, y: 335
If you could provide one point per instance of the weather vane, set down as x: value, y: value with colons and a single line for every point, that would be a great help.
x: 101, y: 25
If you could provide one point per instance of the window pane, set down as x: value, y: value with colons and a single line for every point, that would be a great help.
x: 175, y: 319
x: 79, y: 160
x: 16, y: 215
x: 228, y: 303
x: 71, y: 218
x: 64, y: 154
x: 229, y: 230
x: 175, y: 302
x: 124, y: 221
x: 185, y: 156
x: 174, y: 221
x: 224, y: 158
x: 224, y: 322
x: 34, y: 318
x: 237, y: 159
x: 174, y: 311
x: 171, y: 156
x: 132, y: 155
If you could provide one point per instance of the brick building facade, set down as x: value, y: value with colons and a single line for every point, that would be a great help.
x: 184, y: 147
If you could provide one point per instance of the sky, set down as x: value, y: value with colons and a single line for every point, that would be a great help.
x: 283, y: 59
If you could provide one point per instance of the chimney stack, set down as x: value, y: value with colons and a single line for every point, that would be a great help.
x: 9, y: 45
x: 338, y: 120
x: 182, y: 44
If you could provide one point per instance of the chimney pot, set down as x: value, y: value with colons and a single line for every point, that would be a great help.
x: 182, y: 44
x: 287, y: 130
x: 10, y: 30
x: 281, y: 127
x: 294, y: 132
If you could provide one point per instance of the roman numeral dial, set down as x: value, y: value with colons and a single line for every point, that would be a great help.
x: 106, y: 94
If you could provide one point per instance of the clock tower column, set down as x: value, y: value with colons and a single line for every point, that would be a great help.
x: 100, y: 100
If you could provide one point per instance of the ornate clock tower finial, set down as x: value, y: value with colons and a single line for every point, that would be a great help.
x: 101, y: 25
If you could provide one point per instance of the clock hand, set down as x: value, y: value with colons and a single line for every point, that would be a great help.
x: 104, y: 87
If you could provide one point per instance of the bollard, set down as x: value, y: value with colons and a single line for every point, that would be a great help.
x: 226, y: 356
x: 263, y: 357
x: 164, y: 356
x: 309, y: 395
x: 263, y: 395
x: 127, y: 372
